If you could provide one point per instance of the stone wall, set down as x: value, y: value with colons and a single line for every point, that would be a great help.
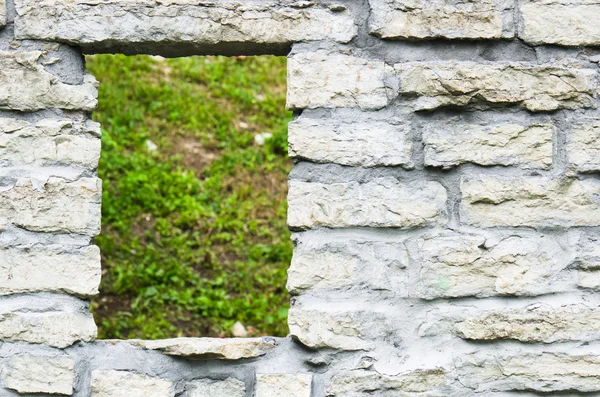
x: 445, y: 200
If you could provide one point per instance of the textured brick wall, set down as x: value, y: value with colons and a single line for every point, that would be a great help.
x: 445, y: 200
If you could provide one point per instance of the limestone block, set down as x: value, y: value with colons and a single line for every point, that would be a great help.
x: 31, y: 374
x: 289, y: 385
x: 59, y: 206
x: 382, y: 202
x: 589, y: 280
x: 130, y: 23
x: 564, y: 22
x: 460, y: 265
x: 510, y: 144
x: 538, y: 323
x: 318, y: 265
x: 583, y: 145
x: 229, y: 387
x: 359, y: 383
x: 322, y: 79
x: 367, y: 144
x: 56, y: 329
x: 421, y: 19
x: 50, y: 269
x: 130, y: 384
x: 538, y: 372
x: 213, y: 348
x: 26, y: 86
x: 489, y: 201
x: 3, y: 13
x: 49, y: 142
x: 532, y: 87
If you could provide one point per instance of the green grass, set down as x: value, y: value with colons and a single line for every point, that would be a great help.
x: 193, y: 234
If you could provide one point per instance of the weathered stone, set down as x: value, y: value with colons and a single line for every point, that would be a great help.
x: 130, y: 384
x: 459, y: 265
x: 382, y: 202
x: 49, y: 142
x: 215, y: 348
x: 50, y: 269
x: 539, y: 323
x: 589, y: 280
x: 356, y: 382
x: 565, y: 22
x: 532, y: 87
x: 420, y: 19
x: 367, y: 144
x: 3, y: 13
x: 583, y: 145
x: 26, y: 86
x: 331, y: 80
x: 318, y: 265
x: 221, y: 388
x: 489, y: 201
x: 289, y: 385
x: 543, y: 372
x: 59, y: 206
x: 451, y: 144
x: 56, y: 329
x: 138, y: 25
x: 31, y: 374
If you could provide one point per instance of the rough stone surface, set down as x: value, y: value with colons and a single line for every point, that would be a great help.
x: 290, y: 385
x: 331, y: 80
x: 130, y: 384
x: 358, y: 382
x: 31, y: 374
x: 49, y: 142
x: 369, y: 143
x: 583, y: 145
x: 459, y: 265
x: 126, y: 24
x: 215, y: 348
x: 57, y: 205
x: 50, y: 269
x: 2, y: 13
x: 529, y: 201
x: 564, y: 22
x: 419, y: 19
x: 56, y: 329
x: 226, y: 388
x: 26, y: 86
x: 539, y: 323
x: 382, y: 202
x: 532, y: 87
x: 544, y: 372
x: 527, y: 146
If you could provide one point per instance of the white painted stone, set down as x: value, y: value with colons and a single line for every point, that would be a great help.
x: 355, y: 383
x: 564, y: 22
x: 26, y: 86
x: 460, y: 265
x: 59, y: 206
x: 289, y: 385
x: 221, y: 388
x: 322, y: 79
x: 511, y: 144
x: 214, y: 348
x: 56, y: 329
x: 489, y: 201
x: 420, y: 19
x: 131, y: 22
x: 382, y: 202
x: 130, y: 384
x: 50, y: 269
x: 32, y: 374
x: 532, y: 87
x: 49, y: 142
x: 543, y: 372
x: 583, y: 145
x: 590, y: 280
x: 366, y: 144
